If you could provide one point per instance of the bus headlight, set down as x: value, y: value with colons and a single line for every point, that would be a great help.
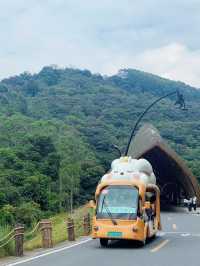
x: 134, y: 229
x: 96, y: 228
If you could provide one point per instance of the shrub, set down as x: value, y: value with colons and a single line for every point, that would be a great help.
x: 28, y: 213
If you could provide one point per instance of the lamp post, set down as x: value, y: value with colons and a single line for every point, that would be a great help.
x: 117, y: 149
x: 180, y: 101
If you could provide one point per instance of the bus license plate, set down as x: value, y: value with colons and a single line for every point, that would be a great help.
x: 114, y: 234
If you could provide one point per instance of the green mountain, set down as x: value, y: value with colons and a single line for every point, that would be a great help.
x: 57, y: 128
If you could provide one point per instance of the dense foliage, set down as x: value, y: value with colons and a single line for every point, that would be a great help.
x: 57, y: 127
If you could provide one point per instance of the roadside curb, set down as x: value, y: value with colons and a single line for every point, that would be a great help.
x: 38, y: 253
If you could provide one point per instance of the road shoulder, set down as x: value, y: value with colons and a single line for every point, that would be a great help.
x: 31, y: 255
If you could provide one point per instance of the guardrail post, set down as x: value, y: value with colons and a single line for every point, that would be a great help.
x: 86, y: 224
x: 70, y: 229
x: 46, y: 230
x: 19, y: 240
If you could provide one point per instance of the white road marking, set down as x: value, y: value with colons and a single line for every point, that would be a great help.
x: 161, y: 233
x: 174, y: 233
x: 49, y: 253
x: 184, y: 234
x: 187, y: 234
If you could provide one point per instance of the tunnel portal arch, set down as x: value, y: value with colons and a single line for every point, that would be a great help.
x: 174, y: 178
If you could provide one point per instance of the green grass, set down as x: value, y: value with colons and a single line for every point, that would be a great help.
x: 9, y: 248
x: 59, y: 233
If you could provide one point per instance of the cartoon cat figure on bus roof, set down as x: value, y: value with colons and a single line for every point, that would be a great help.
x: 129, y: 168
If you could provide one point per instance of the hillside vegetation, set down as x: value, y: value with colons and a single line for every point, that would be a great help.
x: 57, y: 128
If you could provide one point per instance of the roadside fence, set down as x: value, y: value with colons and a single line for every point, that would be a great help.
x: 45, y: 227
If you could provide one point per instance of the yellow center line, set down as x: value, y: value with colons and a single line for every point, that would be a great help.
x: 174, y: 226
x: 161, y: 245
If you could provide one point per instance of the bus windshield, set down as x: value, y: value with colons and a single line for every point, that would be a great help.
x: 118, y: 202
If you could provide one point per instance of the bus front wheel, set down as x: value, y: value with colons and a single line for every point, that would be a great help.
x: 104, y: 242
x: 143, y: 243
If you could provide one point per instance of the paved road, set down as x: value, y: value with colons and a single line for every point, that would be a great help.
x: 178, y: 244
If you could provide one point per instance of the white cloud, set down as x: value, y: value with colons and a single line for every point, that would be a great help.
x: 174, y: 61
x: 104, y: 36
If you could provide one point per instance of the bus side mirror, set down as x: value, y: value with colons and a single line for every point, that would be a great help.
x: 92, y: 204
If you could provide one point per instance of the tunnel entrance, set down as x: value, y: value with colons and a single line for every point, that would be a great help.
x: 174, y: 178
x: 169, y: 177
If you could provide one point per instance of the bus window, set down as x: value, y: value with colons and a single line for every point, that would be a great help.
x: 120, y: 201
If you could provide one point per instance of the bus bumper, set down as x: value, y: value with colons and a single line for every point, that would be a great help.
x: 133, y: 230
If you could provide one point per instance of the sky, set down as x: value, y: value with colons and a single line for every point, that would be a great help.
x: 158, y: 36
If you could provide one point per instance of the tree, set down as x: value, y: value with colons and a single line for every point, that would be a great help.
x: 69, y: 183
x: 37, y: 189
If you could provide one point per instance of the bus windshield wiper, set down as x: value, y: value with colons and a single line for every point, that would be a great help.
x: 108, y: 211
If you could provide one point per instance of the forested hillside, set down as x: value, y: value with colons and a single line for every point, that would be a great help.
x: 57, y: 128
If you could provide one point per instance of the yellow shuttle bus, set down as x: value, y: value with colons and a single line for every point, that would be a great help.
x: 126, y: 206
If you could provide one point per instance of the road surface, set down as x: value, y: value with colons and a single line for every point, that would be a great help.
x: 178, y: 244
